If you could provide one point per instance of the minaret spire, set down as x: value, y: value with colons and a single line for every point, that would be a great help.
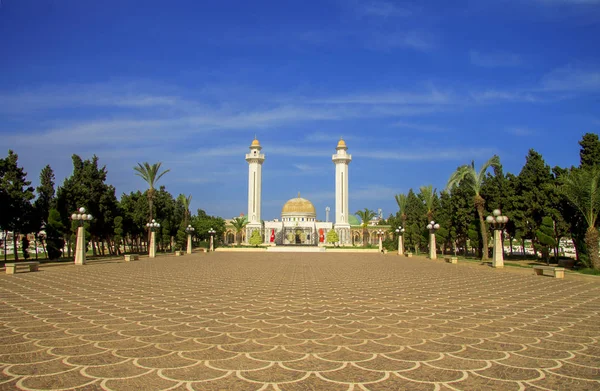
x: 341, y: 160
x: 255, y: 161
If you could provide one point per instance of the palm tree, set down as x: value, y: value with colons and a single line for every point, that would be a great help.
x: 239, y: 223
x: 401, y: 200
x: 474, y: 181
x: 582, y: 188
x: 185, y: 201
x: 150, y: 173
x: 365, y: 216
x: 428, y: 196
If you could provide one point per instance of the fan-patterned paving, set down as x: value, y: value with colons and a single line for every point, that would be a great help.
x: 295, y: 322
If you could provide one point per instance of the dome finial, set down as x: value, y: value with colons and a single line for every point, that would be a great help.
x: 298, y: 194
x: 341, y: 143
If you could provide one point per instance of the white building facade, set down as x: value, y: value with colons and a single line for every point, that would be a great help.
x: 298, y: 224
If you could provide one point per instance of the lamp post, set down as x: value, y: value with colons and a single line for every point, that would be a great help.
x: 212, y: 233
x: 152, y: 226
x: 432, y: 227
x: 380, y: 233
x: 497, y: 222
x: 400, y: 232
x: 80, y: 216
x: 189, y: 231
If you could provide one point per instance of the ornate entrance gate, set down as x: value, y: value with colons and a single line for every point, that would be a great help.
x: 299, y: 236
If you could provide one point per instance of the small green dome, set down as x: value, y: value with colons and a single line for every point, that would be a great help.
x: 353, y: 220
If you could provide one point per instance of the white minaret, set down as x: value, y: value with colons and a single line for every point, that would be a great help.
x: 341, y: 160
x: 255, y: 160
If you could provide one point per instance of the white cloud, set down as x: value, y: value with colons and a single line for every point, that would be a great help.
x: 494, y: 59
x: 432, y: 97
x: 571, y: 79
x: 520, y: 131
x: 373, y: 192
x: 382, y: 9
x: 431, y: 154
x: 420, y: 126
x: 505, y: 95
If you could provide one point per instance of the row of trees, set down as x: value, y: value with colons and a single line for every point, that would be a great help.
x: 117, y: 225
x: 543, y: 204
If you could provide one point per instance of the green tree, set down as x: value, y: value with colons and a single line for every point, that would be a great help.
x: 401, y: 200
x: 589, y: 154
x: 332, y: 236
x: 45, y: 200
x: 416, y: 220
x: 545, y: 237
x: 185, y: 202
x: 151, y: 174
x: 255, y: 238
x: 118, y: 237
x: 239, y: 223
x: 54, y: 234
x: 582, y: 188
x: 16, y: 212
x: 365, y: 216
x: 476, y: 180
x: 535, y: 188
x: 428, y: 194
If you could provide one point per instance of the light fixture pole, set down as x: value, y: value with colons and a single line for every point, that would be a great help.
x: 400, y: 232
x: 432, y: 227
x: 80, y: 216
x: 212, y: 233
x: 380, y: 233
x: 497, y: 222
x: 189, y: 231
x: 152, y: 226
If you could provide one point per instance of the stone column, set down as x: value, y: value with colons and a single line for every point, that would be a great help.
x: 432, y: 252
x: 212, y: 247
x: 80, y: 247
x: 400, y: 245
x: 152, y: 249
x: 380, y: 244
x: 189, y: 244
x: 498, y: 258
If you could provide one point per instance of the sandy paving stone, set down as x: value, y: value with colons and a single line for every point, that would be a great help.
x: 273, y: 374
x: 395, y: 382
x: 40, y: 368
x: 401, y: 322
x: 64, y: 380
x: 312, y: 363
x: 150, y: 381
x: 475, y: 382
x: 313, y: 382
x: 578, y: 371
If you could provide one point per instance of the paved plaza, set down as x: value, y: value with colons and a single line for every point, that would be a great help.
x: 283, y: 321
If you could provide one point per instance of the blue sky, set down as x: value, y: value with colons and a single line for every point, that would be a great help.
x: 415, y: 88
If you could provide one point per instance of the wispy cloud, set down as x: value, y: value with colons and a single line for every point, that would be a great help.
x: 494, y: 59
x: 432, y: 97
x: 572, y: 78
x: 520, y: 131
x: 381, y: 9
x: 419, y: 126
x: 373, y: 192
x: 493, y: 95
x: 431, y: 154
x: 568, y: 2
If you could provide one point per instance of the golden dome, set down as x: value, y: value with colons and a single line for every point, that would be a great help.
x: 298, y: 205
x: 255, y: 143
x: 341, y: 144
